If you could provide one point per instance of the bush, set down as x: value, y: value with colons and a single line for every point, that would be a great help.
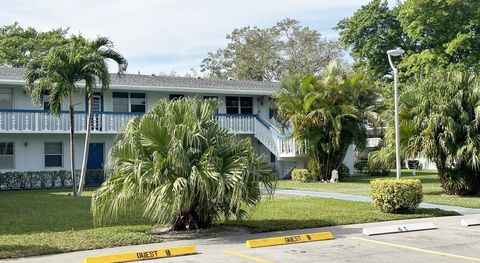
x: 303, y: 175
x: 343, y: 171
x: 45, y: 179
x: 396, y: 196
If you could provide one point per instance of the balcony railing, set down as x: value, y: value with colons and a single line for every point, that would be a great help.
x: 279, y: 144
x: 39, y: 121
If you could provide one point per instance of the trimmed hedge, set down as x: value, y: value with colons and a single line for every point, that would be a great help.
x: 46, y: 179
x: 303, y: 175
x: 396, y: 196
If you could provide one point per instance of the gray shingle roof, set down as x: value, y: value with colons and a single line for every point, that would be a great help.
x: 170, y: 82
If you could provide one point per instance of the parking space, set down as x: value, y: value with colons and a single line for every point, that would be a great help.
x: 451, y: 242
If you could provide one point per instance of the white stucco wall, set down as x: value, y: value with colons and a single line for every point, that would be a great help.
x: 29, y: 149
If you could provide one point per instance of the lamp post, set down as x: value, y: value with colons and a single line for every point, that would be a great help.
x: 395, y: 53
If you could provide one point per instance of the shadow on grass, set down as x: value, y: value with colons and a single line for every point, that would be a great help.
x: 435, y: 212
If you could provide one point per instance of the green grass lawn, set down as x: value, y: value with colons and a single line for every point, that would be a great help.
x: 49, y: 221
x: 359, y: 185
x: 296, y: 212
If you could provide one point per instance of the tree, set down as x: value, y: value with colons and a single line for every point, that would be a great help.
x: 58, y: 73
x: 434, y: 33
x: 328, y: 112
x: 181, y: 168
x: 271, y: 53
x: 18, y: 45
x: 440, y: 120
x: 96, y: 53
x: 369, y: 33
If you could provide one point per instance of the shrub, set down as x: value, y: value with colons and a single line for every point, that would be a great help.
x: 303, y: 175
x: 45, y: 179
x: 343, y: 171
x: 396, y: 196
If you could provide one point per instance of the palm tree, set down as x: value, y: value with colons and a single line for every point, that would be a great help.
x: 181, y: 168
x: 440, y: 120
x: 328, y: 112
x: 58, y: 73
x: 54, y: 74
x: 97, y: 52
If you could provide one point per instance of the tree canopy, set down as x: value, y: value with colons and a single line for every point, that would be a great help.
x: 440, y: 120
x: 19, y: 45
x: 272, y: 53
x: 328, y: 112
x: 434, y: 33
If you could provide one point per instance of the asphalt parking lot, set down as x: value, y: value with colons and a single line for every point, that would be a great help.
x: 451, y: 242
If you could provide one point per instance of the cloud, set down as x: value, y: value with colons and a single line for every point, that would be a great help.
x: 163, y: 35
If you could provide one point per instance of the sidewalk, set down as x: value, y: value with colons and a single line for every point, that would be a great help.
x: 367, y: 199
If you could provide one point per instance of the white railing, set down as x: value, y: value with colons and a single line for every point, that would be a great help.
x: 37, y: 121
x: 237, y: 123
x: 265, y: 132
x: 373, y: 142
x: 41, y: 121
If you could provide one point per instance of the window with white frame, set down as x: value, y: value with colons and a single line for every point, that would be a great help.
x: 7, y: 155
x: 6, y: 98
x: 128, y: 102
x: 53, y: 154
x: 236, y: 105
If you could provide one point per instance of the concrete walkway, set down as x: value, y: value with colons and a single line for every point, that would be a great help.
x: 367, y: 199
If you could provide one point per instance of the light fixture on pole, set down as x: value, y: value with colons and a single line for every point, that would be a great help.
x: 395, y: 53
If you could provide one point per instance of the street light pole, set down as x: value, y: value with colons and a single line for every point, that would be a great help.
x: 395, y: 53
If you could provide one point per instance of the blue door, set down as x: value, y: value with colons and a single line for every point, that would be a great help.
x: 95, y: 156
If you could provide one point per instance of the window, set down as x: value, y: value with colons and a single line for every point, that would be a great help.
x: 128, y: 102
x: 176, y: 96
x: 46, y: 101
x: 137, y: 102
x: 6, y: 99
x: 236, y: 105
x: 6, y: 155
x: 231, y: 104
x: 246, y: 105
x: 53, y: 154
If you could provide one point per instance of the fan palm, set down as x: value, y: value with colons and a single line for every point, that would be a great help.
x: 182, y: 167
x: 440, y: 120
x: 328, y: 112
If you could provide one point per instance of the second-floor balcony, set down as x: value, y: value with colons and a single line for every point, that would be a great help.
x: 39, y: 121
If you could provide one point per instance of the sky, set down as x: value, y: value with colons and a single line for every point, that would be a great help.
x: 165, y: 35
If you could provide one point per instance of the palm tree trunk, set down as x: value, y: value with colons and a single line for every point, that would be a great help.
x: 87, y: 144
x: 72, y: 145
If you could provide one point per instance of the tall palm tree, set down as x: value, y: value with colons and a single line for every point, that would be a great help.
x: 54, y: 73
x: 59, y: 73
x: 97, y: 52
x: 181, y: 168
x: 328, y: 112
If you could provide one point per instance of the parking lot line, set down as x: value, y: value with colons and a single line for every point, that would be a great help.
x: 238, y: 254
x: 466, y: 229
x: 426, y: 251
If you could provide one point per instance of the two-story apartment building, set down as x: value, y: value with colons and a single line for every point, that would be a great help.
x: 33, y: 140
